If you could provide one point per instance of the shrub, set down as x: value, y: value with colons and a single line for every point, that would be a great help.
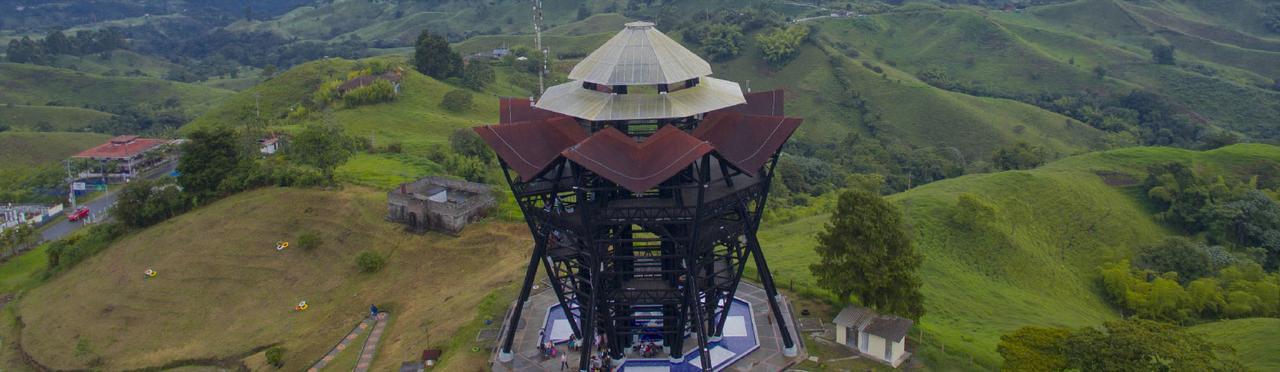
x: 309, y: 241
x: 456, y: 100
x: 275, y: 356
x: 972, y: 212
x: 1163, y: 54
x: 377, y: 92
x: 370, y: 262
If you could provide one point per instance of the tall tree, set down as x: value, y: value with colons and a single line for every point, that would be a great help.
x: 57, y: 43
x: 866, y: 253
x: 208, y: 157
x: 323, y: 146
x: 433, y: 57
x: 477, y: 75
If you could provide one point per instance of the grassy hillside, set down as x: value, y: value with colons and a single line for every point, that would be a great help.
x: 61, y: 118
x: 30, y: 149
x: 1020, y: 271
x: 1256, y: 340
x: 1054, y: 49
x: 230, y: 291
x: 415, y: 119
x: 39, y: 85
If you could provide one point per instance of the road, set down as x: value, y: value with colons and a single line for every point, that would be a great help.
x: 98, y: 206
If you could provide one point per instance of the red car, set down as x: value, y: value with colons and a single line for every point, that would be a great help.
x: 79, y: 214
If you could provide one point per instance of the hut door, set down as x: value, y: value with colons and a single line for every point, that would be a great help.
x: 413, y: 220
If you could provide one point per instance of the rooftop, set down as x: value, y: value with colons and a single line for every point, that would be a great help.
x: 745, y: 141
x: 640, y: 55
x: 121, y: 147
x: 573, y: 100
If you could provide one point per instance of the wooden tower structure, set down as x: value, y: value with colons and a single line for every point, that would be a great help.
x: 643, y: 181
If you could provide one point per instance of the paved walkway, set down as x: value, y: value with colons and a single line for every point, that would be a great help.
x: 371, y: 344
x: 342, y: 345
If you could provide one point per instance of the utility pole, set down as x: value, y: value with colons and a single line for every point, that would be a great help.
x: 71, y: 188
x: 537, y: 39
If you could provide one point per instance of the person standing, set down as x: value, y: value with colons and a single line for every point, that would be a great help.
x: 564, y: 361
x: 373, y: 311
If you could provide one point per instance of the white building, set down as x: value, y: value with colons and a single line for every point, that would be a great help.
x: 879, y: 337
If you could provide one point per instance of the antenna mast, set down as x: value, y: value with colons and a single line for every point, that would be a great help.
x: 537, y: 39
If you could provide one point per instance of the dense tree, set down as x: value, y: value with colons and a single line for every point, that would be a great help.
x: 1163, y: 54
x: 722, y: 41
x: 323, y: 146
x: 1177, y: 254
x: 1186, y: 200
x: 1252, y: 221
x: 866, y: 253
x: 433, y: 57
x: 781, y: 45
x: 143, y: 203
x: 583, y: 11
x: 1020, y: 155
x: 208, y: 157
x: 477, y: 74
x: 1241, y: 290
x: 57, y: 43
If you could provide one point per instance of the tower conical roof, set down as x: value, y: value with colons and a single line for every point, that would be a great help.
x: 640, y: 55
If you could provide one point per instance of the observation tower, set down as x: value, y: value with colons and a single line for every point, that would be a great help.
x: 643, y: 181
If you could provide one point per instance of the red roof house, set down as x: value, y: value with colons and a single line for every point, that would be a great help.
x: 127, y: 149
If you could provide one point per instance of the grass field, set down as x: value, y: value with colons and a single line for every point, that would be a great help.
x: 1256, y: 340
x: 28, y: 149
x: 231, y: 291
x: 1018, y: 271
x: 60, y: 118
x: 39, y: 85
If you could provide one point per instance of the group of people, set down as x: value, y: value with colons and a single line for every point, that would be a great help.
x: 646, y: 350
x: 600, y: 360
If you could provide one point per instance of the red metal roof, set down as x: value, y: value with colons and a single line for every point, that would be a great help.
x: 515, y: 110
x: 638, y: 166
x: 746, y: 141
x: 760, y: 103
x: 121, y: 147
x: 529, y: 147
x: 530, y: 139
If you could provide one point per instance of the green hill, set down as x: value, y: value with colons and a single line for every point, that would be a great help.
x: 415, y: 118
x: 39, y: 85
x: 1055, y: 49
x: 62, y: 118
x: 230, y: 292
x: 1256, y: 340
x: 1020, y: 271
x: 31, y: 149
